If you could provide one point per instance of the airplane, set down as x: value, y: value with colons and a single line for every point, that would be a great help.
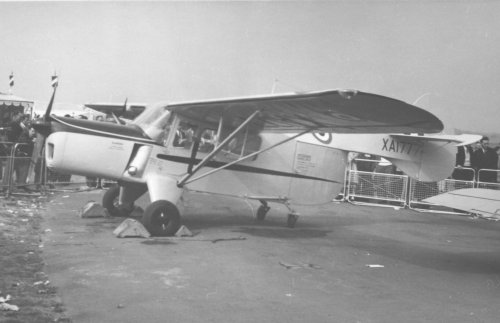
x: 483, y: 202
x: 282, y: 148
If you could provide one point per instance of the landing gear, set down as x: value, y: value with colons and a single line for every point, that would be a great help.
x: 111, y: 202
x: 161, y: 218
x: 293, y: 216
x: 262, y: 210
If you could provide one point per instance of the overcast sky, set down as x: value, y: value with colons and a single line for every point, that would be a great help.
x: 443, y: 54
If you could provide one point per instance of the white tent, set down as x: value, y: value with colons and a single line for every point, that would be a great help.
x: 9, y: 104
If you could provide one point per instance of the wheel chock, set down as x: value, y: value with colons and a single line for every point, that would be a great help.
x: 183, y: 232
x: 93, y: 210
x: 131, y: 228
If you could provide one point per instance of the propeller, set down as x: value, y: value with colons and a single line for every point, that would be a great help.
x: 43, y: 129
x: 117, y: 119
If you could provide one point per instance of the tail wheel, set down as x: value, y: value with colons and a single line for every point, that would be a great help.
x: 111, y: 202
x: 161, y: 218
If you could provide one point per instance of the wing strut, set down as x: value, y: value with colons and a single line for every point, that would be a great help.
x: 186, y: 181
x: 217, y: 149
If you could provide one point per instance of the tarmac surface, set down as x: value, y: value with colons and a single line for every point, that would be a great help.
x: 341, y: 263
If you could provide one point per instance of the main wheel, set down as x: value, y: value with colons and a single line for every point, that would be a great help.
x: 111, y: 202
x: 161, y: 218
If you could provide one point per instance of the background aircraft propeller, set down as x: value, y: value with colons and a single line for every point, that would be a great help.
x: 117, y: 119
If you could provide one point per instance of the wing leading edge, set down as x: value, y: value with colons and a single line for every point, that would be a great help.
x: 338, y: 111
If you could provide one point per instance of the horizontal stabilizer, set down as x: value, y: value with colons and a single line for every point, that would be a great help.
x: 481, y: 201
x: 437, y: 155
x: 428, y: 158
x: 459, y: 140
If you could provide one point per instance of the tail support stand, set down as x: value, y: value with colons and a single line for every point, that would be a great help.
x: 293, y: 216
x: 262, y: 211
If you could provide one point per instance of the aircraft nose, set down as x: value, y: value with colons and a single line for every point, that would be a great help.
x: 42, y: 126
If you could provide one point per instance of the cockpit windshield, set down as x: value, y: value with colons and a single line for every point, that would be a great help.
x: 155, y: 121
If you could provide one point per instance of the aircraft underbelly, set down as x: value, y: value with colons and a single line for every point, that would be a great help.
x: 88, y: 155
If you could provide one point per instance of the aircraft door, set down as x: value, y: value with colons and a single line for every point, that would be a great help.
x: 320, y: 173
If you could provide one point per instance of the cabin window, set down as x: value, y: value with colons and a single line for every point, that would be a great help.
x: 208, y: 140
x: 244, y: 143
x: 184, y: 135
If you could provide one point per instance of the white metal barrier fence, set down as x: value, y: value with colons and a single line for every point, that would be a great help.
x: 488, y: 178
x: 15, y: 165
x: 374, y: 188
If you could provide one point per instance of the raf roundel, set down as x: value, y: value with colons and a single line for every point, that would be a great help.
x: 323, y: 137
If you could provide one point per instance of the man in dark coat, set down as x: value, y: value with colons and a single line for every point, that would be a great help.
x: 463, y: 165
x: 485, y: 158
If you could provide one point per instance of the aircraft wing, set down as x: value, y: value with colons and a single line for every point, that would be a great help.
x: 481, y: 201
x: 339, y: 111
x: 128, y: 111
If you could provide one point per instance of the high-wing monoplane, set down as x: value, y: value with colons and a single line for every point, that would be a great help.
x: 286, y: 148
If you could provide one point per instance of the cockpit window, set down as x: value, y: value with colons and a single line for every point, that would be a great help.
x: 184, y: 135
x: 244, y: 143
x: 155, y: 121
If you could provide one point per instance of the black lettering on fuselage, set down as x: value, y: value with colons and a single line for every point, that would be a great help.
x: 385, y: 143
x: 401, y: 147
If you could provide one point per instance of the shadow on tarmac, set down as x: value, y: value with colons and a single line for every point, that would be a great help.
x: 429, y: 255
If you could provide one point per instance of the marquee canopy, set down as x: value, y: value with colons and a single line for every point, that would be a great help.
x: 10, y: 104
x: 7, y: 100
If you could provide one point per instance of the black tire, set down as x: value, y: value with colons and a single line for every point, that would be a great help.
x: 161, y: 218
x: 110, y: 201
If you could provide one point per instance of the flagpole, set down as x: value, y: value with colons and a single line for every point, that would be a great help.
x: 11, y: 82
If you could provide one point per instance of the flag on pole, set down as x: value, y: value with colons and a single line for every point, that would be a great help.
x: 55, y: 81
x: 11, y: 79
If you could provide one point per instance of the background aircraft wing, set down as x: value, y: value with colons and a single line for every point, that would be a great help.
x: 130, y: 112
x: 481, y: 201
x: 339, y: 111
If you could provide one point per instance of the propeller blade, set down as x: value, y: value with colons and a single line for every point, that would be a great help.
x: 49, y: 107
x: 37, y: 157
x: 124, y: 106
x: 42, y: 127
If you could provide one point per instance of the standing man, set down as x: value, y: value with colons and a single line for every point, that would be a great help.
x: 14, y: 131
x: 464, y: 159
x: 485, y: 158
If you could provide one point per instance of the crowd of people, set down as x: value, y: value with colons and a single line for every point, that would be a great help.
x: 480, y: 158
x: 19, y: 135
